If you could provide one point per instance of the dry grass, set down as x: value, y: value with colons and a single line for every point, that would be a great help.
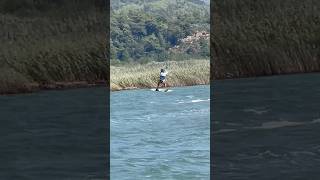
x: 181, y: 73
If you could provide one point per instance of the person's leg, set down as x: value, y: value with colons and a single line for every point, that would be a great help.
x: 162, y: 83
x: 158, y: 86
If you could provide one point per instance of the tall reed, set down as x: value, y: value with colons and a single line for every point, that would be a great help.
x: 265, y: 37
x: 44, y: 49
x: 181, y: 73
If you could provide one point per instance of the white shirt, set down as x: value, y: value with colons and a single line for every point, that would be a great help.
x: 163, y: 73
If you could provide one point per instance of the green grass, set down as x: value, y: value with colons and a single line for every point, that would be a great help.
x: 181, y: 73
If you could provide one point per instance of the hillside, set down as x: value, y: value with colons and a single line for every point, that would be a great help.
x: 143, y: 31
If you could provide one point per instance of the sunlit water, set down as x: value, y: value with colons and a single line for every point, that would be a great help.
x: 160, y: 135
x: 267, y: 128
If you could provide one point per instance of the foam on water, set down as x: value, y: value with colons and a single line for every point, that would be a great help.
x: 162, y: 90
x: 200, y: 100
x: 192, y: 101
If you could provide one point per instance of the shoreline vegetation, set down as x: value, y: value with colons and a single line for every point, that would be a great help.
x: 36, y: 87
x: 52, y: 44
x: 261, y: 38
x: 181, y: 73
x: 149, y: 35
x: 62, y: 44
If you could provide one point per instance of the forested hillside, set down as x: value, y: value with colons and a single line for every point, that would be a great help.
x: 265, y: 37
x: 44, y: 42
x: 144, y: 30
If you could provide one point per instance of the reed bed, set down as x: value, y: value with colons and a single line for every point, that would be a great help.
x: 181, y: 73
x: 265, y: 37
x: 40, y: 51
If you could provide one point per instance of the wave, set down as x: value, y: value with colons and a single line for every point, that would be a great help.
x: 190, y: 97
x: 258, y: 110
x: 192, y: 101
x: 277, y: 124
x: 200, y: 100
x: 270, y: 125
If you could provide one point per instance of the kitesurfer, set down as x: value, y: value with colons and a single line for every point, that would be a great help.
x: 162, y: 79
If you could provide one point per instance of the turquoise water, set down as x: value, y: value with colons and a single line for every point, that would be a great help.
x: 158, y: 135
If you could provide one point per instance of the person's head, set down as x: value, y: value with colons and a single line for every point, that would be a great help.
x: 162, y: 70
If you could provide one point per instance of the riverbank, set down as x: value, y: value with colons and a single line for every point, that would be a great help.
x: 181, y: 73
x: 35, y: 87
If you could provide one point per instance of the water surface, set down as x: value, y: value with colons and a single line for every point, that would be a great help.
x: 158, y: 135
x: 267, y: 128
x: 54, y: 135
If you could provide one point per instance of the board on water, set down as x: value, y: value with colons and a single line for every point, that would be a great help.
x: 162, y: 90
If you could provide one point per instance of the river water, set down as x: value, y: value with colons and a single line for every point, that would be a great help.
x: 267, y: 128
x: 160, y: 135
x: 54, y: 135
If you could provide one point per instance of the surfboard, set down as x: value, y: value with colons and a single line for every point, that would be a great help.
x: 162, y: 90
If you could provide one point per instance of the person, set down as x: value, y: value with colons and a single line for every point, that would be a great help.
x: 162, y: 79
